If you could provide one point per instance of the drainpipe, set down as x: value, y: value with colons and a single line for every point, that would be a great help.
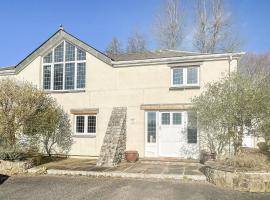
x: 230, y: 60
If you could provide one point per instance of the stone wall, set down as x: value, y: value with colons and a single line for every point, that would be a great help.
x: 241, y: 181
x: 114, y: 143
x: 15, y: 167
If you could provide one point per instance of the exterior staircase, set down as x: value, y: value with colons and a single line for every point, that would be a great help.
x: 114, y: 143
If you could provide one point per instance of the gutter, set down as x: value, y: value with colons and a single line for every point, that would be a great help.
x: 195, y: 58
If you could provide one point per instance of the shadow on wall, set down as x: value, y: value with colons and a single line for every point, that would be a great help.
x: 3, y: 178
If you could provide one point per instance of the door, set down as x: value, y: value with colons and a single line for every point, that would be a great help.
x: 170, y: 129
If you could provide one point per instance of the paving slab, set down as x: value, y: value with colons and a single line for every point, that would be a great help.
x: 157, y: 170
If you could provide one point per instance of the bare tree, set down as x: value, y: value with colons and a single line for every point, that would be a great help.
x: 136, y: 43
x: 114, y: 48
x: 255, y: 64
x: 168, y: 26
x: 214, y: 29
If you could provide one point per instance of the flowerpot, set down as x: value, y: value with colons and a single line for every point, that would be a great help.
x: 132, y: 156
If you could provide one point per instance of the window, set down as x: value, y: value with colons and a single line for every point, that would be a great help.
x: 185, y: 76
x: 58, y: 77
x: 70, y: 52
x: 192, y: 75
x: 64, y: 68
x: 192, y: 127
x: 86, y: 124
x: 79, y: 124
x: 177, y: 118
x: 151, y: 127
x: 69, y: 76
x: 59, y: 53
x: 48, y: 58
x: 165, y: 118
x: 81, y: 75
x: 81, y: 55
x: 47, y: 77
x: 91, y: 128
x: 178, y: 76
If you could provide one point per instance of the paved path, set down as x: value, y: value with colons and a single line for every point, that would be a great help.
x: 69, y: 188
x: 139, y: 169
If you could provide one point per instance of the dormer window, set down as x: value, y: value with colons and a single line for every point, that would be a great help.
x: 64, y: 68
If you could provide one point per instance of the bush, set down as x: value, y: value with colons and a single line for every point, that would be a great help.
x: 204, y: 156
x: 12, y: 154
x: 263, y: 146
x: 248, y: 158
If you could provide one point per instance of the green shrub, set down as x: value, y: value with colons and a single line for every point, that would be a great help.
x: 263, y: 146
x: 204, y: 156
x: 12, y: 154
x: 248, y: 159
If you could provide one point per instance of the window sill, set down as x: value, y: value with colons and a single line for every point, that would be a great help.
x: 62, y: 91
x: 184, y: 87
x: 83, y: 136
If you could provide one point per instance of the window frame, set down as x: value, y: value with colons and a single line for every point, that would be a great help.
x: 190, y: 138
x: 64, y: 62
x: 185, y: 69
x: 85, y: 133
x: 154, y: 128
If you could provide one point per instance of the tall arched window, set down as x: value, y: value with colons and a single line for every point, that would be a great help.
x: 64, y: 68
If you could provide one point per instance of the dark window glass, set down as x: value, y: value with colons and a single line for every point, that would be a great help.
x: 178, y: 76
x: 91, y: 124
x: 177, y: 118
x: 192, y: 127
x: 192, y: 75
x: 48, y: 58
x: 81, y: 75
x: 165, y: 118
x: 47, y: 77
x: 58, y: 77
x: 79, y: 124
x: 69, y: 75
x: 81, y: 55
x: 151, y: 127
x: 59, y: 53
x: 70, y: 52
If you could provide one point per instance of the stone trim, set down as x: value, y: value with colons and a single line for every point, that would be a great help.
x: 186, y: 106
x: 84, y: 111
x: 84, y: 136
x: 184, y: 87
x: 62, y: 91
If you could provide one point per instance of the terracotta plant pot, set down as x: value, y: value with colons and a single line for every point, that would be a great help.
x: 132, y: 156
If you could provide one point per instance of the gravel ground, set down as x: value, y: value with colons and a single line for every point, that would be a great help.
x: 69, y: 187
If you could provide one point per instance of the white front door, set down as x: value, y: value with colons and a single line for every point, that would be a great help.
x: 171, y: 127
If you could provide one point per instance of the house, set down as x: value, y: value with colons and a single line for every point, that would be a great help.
x: 138, y: 101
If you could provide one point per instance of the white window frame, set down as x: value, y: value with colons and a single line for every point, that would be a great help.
x: 185, y: 76
x: 64, y: 68
x: 85, y: 125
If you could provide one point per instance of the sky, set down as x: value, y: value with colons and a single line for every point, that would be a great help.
x: 25, y: 24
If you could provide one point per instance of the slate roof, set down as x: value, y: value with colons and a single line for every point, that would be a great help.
x: 152, y: 55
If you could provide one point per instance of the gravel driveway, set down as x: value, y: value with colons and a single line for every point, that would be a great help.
x: 68, y: 187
